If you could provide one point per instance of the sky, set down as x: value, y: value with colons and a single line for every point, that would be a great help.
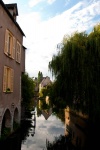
x: 45, y: 22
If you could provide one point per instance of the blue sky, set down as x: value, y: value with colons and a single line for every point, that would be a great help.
x: 45, y: 22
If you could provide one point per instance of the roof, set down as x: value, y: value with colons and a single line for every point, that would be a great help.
x: 46, y: 81
x: 9, y: 14
x: 47, y: 113
x: 11, y: 6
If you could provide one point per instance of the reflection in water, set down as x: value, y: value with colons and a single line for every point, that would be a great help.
x: 45, y: 129
x: 28, y: 127
x: 47, y: 113
x: 32, y: 129
x: 15, y: 141
x: 34, y: 132
x: 60, y: 143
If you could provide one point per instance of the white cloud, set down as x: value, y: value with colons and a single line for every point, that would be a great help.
x: 32, y: 3
x: 43, y: 36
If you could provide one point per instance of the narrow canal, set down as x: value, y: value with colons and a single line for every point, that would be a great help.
x: 45, y: 128
x: 35, y: 131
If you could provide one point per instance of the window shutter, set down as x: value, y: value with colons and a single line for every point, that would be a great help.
x: 11, y: 79
x: 13, y: 49
x: 19, y: 53
x: 6, y: 42
x: 4, y: 79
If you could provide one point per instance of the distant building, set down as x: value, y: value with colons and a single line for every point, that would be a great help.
x: 12, y: 66
x: 44, y: 83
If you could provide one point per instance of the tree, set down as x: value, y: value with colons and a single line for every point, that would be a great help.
x: 77, y: 73
x: 28, y: 86
x: 40, y: 77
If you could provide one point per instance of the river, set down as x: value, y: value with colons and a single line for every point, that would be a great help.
x: 45, y: 129
x: 34, y: 133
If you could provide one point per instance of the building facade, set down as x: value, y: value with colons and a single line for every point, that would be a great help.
x: 12, y: 65
x: 44, y: 83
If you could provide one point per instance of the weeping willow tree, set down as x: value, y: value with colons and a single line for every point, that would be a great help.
x: 76, y: 69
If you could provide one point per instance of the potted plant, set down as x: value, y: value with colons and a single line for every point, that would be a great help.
x: 8, y: 90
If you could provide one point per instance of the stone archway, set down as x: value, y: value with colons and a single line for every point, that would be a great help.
x: 6, y: 123
x: 16, y: 119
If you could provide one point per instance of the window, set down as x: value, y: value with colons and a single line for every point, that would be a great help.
x: 9, y: 44
x: 18, y: 52
x: 8, y: 79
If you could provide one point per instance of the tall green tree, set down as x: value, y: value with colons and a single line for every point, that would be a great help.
x: 76, y: 69
x: 40, y: 76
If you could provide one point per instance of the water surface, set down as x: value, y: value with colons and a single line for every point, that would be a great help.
x: 45, y: 129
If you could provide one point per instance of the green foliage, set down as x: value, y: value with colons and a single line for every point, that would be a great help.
x: 45, y: 92
x: 60, y: 113
x: 40, y: 77
x: 5, y: 133
x: 77, y: 73
x: 44, y: 106
x: 8, y: 90
x: 28, y: 86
